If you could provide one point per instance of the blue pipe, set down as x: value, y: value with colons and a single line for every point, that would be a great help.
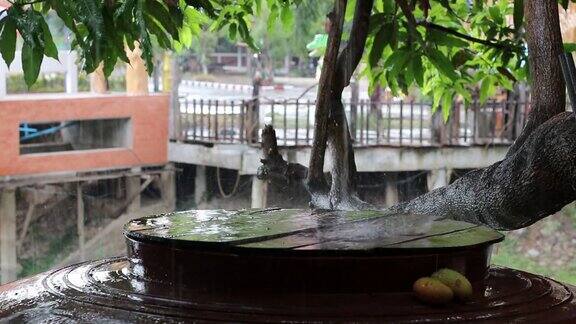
x: 47, y: 131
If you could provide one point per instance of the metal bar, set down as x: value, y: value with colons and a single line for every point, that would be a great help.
x: 232, y: 121
x: 308, y: 122
x: 378, y: 121
x: 216, y: 121
x: 194, y: 119
x: 360, y: 123
x: 411, y: 119
x: 296, y: 125
x: 201, y: 118
x: 466, y: 123
x: 272, y: 112
x: 285, y: 124
x: 242, y: 119
x: 421, y: 121
x: 502, y: 131
x: 179, y: 122
x: 368, y: 113
x: 224, y: 120
x: 401, y: 119
x: 493, y: 121
x: 389, y: 121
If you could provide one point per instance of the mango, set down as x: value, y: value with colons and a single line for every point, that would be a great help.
x: 456, y: 281
x: 432, y: 291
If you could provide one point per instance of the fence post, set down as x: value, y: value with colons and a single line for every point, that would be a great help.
x: 71, y: 72
x: 255, y: 108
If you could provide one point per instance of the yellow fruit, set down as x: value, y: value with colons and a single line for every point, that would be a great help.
x: 456, y: 281
x: 432, y: 291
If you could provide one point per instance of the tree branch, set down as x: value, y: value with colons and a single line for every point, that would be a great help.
x: 352, y: 54
x: 274, y: 167
x: 548, y: 91
x: 316, y: 180
x: 528, y: 185
x: 458, y: 34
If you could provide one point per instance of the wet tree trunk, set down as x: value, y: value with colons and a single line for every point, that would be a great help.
x: 536, y: 179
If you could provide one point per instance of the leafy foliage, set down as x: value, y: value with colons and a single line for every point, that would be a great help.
x: 103, y: 28
x: 447, y: 48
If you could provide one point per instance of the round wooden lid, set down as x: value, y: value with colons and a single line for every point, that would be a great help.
x: 303, y: 250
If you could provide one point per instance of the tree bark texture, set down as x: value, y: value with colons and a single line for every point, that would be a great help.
x: 548, y: 96
x: 331, y: 126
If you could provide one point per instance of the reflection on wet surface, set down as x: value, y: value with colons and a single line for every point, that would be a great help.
x: 305, y: 229
x: 104, y: 291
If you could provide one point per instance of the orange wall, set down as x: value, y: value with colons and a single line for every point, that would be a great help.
x: 149, y: 115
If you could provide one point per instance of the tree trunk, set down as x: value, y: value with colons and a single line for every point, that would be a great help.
x: 544, y: 45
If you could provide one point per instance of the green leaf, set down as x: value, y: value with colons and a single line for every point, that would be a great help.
x: 232, y: 31
x: 496, y: 15
x: 380, y: 40
x: 461, y: 57
x: 446, y: 106
x: 486, y: 89
x: 145, y: 42
x: 418, y: 70
x: 441, y: 62
x: 161, y: 14
x: 31, y: 61
x: 376, y: 21
x: 287, y: 17
x: 439, y: 38
x: 8, y: 40
x: 186, y: 37
x: 518, y: 13
x: 569, y: 47
x: 504, y: 71
x: 389, y: 6
x: 49, y: 47
x: 206, y: 5
x: 88, y: 12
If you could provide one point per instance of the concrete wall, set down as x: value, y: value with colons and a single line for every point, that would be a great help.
x: 149, y: 125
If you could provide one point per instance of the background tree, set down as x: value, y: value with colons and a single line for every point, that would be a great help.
x: 447, y: 48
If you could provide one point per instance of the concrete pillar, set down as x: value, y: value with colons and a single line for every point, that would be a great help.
x: 438, y: 178
x: 168, y: 183
x: 71, y: 72
x: 259, y: 193
x: 8, y: 259
x: 133, y: 193
x: 391, y: 190
x: 200, y: 185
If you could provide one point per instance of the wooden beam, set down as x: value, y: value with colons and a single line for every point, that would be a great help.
x: 80, y: 221
x: 8, y: 257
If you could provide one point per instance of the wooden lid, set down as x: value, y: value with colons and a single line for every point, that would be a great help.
x: 303, y: 250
